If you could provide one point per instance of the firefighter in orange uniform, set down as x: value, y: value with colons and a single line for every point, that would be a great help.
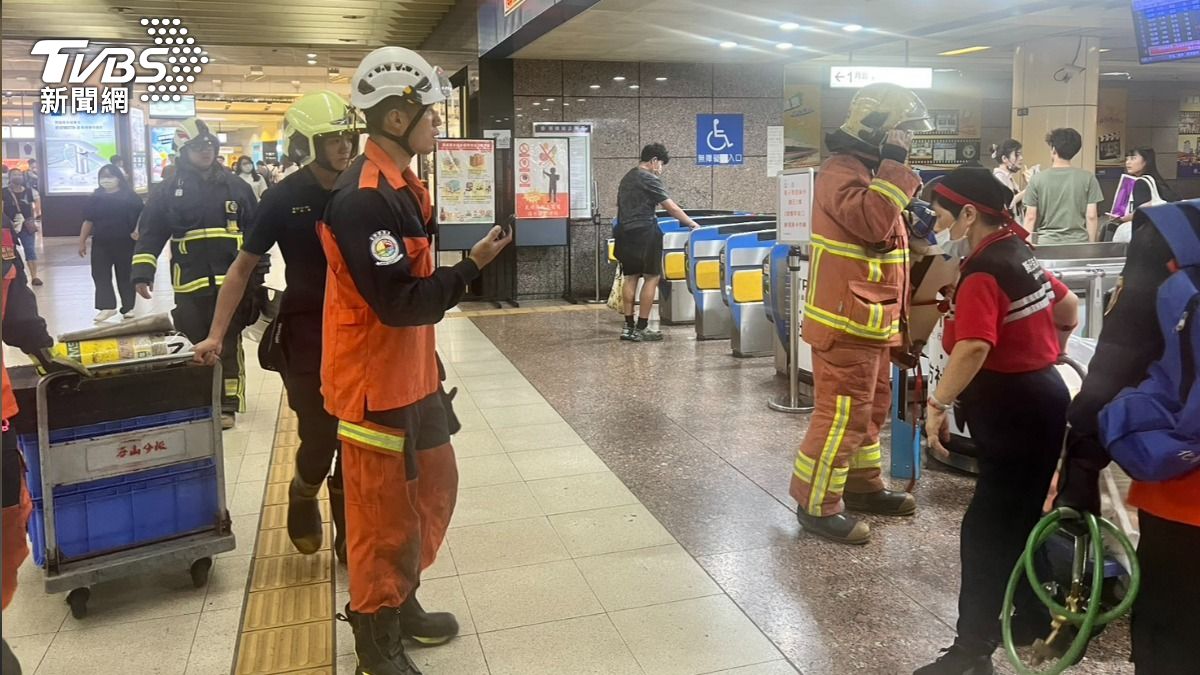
x: 380, y: 374
x: 856, y: 304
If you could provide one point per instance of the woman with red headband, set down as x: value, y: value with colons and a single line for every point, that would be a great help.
x: 1008, y: 325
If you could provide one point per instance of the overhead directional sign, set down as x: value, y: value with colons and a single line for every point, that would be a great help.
x: 854, y: 77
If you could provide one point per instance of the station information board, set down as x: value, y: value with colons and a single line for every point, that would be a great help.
x: 795, y: 206
x: 1167, y: 30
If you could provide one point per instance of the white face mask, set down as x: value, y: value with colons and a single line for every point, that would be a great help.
x: 956, y: 249
x: 109, y: 183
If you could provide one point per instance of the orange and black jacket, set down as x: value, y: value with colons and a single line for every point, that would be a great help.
x: 383, y: 290
x: 1130, y: 342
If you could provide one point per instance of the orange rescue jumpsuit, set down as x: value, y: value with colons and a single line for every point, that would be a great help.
x: 380, y: 376
x: 857, y: 299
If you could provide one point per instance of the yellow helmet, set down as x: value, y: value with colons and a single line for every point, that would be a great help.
x: 190, y: 130
x: 878, y: 108
x: 312, y: 116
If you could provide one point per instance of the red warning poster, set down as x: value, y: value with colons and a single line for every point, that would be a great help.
x: 543, y: 182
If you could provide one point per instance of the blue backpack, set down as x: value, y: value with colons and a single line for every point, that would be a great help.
x: 1153, y: 430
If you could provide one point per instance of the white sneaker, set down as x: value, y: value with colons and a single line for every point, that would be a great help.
x: 105, y: 315
x: 127, y: 315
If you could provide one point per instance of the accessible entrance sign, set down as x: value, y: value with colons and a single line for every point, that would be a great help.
x: 720, y: 140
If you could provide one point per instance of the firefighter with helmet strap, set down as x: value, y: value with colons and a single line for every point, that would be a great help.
x: 856, y: 303
x: 321, y: 131
x: 204, y: 211
x: 379, y: 369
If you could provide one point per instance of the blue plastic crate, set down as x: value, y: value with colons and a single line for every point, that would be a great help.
x: 29, y: 442
x: 129, y: 510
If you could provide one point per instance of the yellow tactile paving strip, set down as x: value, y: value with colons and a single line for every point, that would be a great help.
x: 287, y: 619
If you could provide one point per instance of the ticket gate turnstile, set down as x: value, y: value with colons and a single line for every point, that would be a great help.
x: 776, y: 293
x: 742, y: 290
x: 676, y: 305
x: 703, y: 266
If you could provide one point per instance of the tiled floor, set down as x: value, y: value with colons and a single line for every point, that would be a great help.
x: 622, y: 509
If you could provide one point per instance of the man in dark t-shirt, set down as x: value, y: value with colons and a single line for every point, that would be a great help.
x: 322, y: 135
x: 638, y: 245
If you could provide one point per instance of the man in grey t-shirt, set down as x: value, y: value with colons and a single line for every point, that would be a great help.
x: 638, y: 245
x: 1061, y: 203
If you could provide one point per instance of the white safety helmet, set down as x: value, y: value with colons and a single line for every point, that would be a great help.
x: 396, y: 71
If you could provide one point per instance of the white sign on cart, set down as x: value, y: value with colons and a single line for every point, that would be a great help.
x: 795, y: 206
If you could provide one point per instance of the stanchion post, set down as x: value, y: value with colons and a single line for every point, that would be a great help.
x: 793, y: 402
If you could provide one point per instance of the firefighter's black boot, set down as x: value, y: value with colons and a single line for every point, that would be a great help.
x: 9, y: 660
x: 337, y: 511
x: 304, y: 516
x: 425, y: 627
x: 378, y: 643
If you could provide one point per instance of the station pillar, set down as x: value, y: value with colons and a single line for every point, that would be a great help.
x: 1056, y: 84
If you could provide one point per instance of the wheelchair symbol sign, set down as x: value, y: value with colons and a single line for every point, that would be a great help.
x: 719, y: 140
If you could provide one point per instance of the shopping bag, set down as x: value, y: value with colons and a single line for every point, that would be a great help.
x: 616, y: 300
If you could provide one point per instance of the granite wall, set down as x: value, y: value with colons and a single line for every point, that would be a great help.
x: 625, y: 119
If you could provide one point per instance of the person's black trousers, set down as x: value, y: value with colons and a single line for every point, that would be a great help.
x: 193, y: 315
x: 109, y: 256
x: 1166, y: 622
x: 300, y: 339
x: 1017, y: 422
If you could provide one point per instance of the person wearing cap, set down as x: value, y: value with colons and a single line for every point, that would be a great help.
x: 1007, y: 328
x: 321, y: 133
x: 380, y: 373
x: 857, y: 300
x: 204, y: 211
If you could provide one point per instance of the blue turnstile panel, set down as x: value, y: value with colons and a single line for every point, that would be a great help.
x: 742, y: 291
x: 703, y: 263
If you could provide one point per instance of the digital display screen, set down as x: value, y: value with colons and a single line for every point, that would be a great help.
x: 77, y: 145
x: 1167, y: 30
x: 166, y: 110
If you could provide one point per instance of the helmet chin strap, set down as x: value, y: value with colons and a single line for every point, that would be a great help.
x: 402, y: 140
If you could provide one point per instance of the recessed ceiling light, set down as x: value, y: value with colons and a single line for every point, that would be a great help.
x: 852, y: 28
x: 580, y: 100
x: 566, y: 103
x: 619, y: 78
x: 784, y: 46
x: 789, y: 25
x: 1104, y: 49
x: 536, y: 103
x: 964, y: 50
x: 312, y: 55
x: 312, y: 62
x: 660, y: 79
x: 634, y: 86
x: 549, y: 100
x: 593, y: 86
x: 728, y: 44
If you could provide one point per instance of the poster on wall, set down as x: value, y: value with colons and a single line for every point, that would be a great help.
x: 801, y: 122
x: 77, y: 145
x: 955, y: 137
x: 542, y: 177
x: 137, y: 133
x: 1110, y: 132
x: 579, y: 141
x: 1189, y: 136
x: 161, y: 149
x: 466, y: 181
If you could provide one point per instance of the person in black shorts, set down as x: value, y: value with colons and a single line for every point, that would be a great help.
x: 639, y: 241
x: 322, y: 135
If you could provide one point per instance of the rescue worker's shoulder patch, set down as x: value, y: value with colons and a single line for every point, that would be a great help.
x: 385, y: 248
x: 1116, y: 293
x: 231, y: 206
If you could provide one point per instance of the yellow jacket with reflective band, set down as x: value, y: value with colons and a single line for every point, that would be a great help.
x: 204, y: 216
x: 858, y: 265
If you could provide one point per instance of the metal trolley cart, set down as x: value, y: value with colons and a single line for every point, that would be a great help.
x: 127, y: 474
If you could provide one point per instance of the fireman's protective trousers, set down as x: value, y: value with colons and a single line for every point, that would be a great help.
x: 852, y: 396
x: 401, y: 483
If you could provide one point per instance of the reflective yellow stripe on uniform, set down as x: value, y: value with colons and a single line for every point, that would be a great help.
x: 867, y: 457
x: 874, y: 270
x: 825, y: 474
x: 361, y: 435
x: 194, y: 285
x: 146, y: 258
x: 891, y: 191
x: 845, y: 325
x: 856, y: 252
x: 206, y: 233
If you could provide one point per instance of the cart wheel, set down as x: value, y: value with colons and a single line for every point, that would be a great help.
x: 200, y: 570
x: 78, y: 600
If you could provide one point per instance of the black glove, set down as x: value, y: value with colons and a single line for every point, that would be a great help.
x: 1079, y: 479
x: 48, y: 363
x: 897, y: 153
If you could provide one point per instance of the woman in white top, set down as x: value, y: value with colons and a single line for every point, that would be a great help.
x: 1010, y: 172
x: 247, y: 172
